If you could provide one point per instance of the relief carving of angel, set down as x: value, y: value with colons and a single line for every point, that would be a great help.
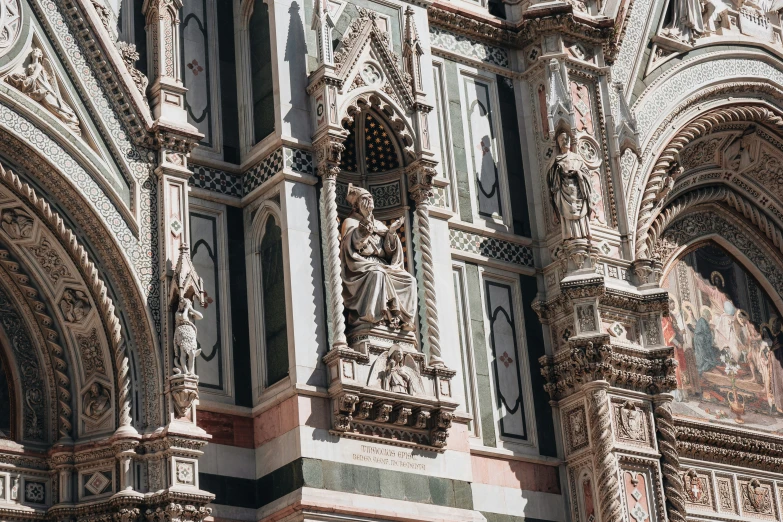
x: 396, y: 371
x: 40, y: 83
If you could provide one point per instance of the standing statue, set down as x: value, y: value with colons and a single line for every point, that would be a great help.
x: 40, y: 83
x: 376, y: 287
x: 185, y: 345
x: 570, y: 191
x: 686, y: 22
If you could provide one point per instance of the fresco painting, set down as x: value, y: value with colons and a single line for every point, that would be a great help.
x: 727, y: 340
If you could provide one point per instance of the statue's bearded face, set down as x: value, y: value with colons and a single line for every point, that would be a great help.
x: 366, y: 205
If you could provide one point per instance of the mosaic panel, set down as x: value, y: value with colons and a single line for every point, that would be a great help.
x: 491, y: 247
x: 466, y: 47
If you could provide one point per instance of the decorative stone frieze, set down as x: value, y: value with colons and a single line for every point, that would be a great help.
x: 593, y: 358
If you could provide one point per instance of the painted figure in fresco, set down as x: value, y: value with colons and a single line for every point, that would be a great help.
x: 674, y: 332
x: 771, y: 332
x: 703, y: 343
x: 376, y: 287
x: 186, y: 348
x: 725, y: 333
x: 571, y: 191
x: 40, y: 83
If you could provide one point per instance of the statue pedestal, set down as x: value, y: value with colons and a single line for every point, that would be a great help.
x: 365, y: 338
x: 384, y: 394
x: 184, y: 391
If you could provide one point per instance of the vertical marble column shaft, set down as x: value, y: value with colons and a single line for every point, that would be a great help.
x: 604, y: 460
x: 670, y: 459
x: 328, y: 152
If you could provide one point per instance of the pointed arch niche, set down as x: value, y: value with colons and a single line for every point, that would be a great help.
x: 373, y: 160
x: 724, y: 322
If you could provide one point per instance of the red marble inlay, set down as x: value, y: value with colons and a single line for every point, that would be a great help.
x: 231, y: 430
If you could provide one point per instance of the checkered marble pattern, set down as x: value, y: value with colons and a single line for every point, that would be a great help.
x: 438, y: 198
x: 216, y: 181
x: 262, y: 171
x: 464, y: 46
x: 491, y: 247
x: 299, y: 160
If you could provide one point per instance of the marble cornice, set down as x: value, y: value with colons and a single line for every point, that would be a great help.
x: 558, y: 18
x: 728, y: 445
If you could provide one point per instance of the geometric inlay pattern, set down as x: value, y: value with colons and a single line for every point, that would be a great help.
x: 216, y: 181
x: 491, y: 247
x: 464, y: 46
x: 97, y: 483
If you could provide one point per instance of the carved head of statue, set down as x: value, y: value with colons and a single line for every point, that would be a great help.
x: 360, y: 199
x: 563, y: 142
x: 36, y: 54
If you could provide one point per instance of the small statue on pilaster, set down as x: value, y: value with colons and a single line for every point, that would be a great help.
x: 186, y: 286
x: 570, y: 191
x: 185, y: 345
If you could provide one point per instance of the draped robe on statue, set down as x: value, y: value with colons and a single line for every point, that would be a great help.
x: 376, y: 286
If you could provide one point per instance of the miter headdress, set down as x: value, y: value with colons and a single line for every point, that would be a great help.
x: 355, y: 194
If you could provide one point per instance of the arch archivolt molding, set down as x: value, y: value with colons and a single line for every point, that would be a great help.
x: 85, y: 313
x: 39, y: 366
x: 135, y: 307
x: 668, y: 168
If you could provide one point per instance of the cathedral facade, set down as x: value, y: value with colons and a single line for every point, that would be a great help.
x: 386, y: 260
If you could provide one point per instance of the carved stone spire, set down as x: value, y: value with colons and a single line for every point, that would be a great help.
x: 626, y: 133
x: 560, y: 111
x: 323, y: 25
x: 412, y: 52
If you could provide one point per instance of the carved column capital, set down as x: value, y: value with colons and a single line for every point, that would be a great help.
x: 420, y: 175
x: 328, y: 152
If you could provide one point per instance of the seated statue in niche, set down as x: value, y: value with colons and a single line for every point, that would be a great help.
x: 40, y: 83
x: 570, y: 190
x: 377, y: 290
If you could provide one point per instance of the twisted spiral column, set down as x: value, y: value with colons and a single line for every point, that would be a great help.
x: 430, y: 301
x: 331, y: 236
x: 604, y: 461
x: 670, y: 460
